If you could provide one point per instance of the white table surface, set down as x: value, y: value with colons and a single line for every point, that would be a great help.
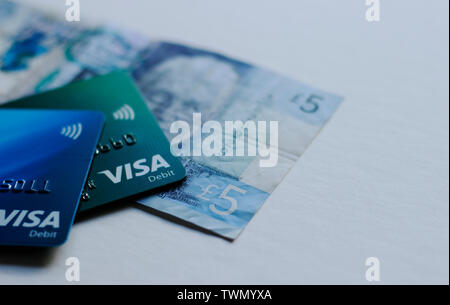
x: 375, y: 182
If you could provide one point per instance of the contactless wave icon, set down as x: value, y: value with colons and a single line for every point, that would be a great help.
x: 124, y: 113
x: 72, y: 131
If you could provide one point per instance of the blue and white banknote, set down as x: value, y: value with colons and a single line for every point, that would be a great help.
x: 220, y: 194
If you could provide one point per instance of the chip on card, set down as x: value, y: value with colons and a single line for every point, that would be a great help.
x: 45, y: 158
x: 133, y: 155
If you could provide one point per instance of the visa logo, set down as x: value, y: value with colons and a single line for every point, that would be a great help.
x: 29, y: 219
x: 137, y: 169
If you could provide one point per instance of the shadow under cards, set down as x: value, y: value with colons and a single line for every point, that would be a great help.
x: 26, y: 256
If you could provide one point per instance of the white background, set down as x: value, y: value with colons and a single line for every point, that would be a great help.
x: 375, y: 182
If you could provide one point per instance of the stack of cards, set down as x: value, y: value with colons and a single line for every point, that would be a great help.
x: 46, y: 156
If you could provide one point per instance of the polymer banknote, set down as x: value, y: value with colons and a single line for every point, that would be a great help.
x: 42, y: 53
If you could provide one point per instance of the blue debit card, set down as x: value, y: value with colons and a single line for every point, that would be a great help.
x: 45, y: 158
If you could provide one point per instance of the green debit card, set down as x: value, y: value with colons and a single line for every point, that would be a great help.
x: 133, y: 155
